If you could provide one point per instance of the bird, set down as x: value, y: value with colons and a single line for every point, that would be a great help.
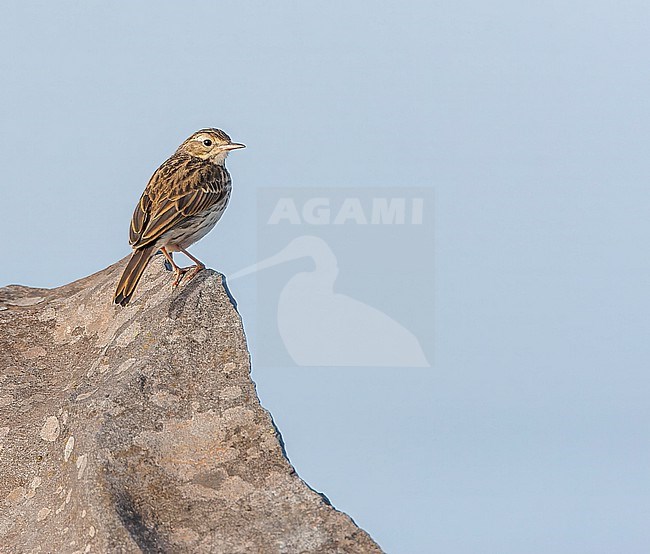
x: 184, y: 199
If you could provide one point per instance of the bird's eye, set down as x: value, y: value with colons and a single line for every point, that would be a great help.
x: 207, y: 142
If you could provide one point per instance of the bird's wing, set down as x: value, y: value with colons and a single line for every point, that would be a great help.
x: 179, y: 189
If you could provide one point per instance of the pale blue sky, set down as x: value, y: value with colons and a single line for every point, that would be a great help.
x: 529, y: 120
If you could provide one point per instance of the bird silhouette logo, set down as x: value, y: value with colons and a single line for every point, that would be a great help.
x: 320, y: 327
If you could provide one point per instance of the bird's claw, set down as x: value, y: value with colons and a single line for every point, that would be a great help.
x: 190, y: 271
x: 194, y: 270
x: 180, y: 272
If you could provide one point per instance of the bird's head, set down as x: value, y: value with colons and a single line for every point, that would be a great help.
x: 209, y: 144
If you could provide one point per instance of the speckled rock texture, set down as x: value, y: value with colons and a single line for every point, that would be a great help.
x: 138, y: 429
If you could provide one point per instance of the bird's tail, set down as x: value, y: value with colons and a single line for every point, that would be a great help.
x: 132, y: 273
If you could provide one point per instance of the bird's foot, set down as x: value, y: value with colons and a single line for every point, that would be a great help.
x: 194, y: 270
x: 189, y: 271
x: 180, y: 272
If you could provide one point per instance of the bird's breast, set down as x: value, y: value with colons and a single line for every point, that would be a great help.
x: 194, y: 228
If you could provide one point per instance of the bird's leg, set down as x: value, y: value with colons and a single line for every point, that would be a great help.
x: 193, y: 270
x: 169, y: 257
x: 180, y: 271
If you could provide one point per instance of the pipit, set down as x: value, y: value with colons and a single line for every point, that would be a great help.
x: 184, y: 199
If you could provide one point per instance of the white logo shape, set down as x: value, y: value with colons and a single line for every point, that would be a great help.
x: 322, y: 328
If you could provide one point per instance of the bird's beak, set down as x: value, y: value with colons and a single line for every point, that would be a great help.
x: 232, y: 146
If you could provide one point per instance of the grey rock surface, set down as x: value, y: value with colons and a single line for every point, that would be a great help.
x: 139, y: 429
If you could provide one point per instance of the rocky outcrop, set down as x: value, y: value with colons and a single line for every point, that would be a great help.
x: 138, y: 429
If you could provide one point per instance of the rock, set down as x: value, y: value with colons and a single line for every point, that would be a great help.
x: 138, y: 429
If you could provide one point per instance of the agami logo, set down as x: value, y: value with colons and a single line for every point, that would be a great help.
x: 344, y: 277
x: 323, y: 211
